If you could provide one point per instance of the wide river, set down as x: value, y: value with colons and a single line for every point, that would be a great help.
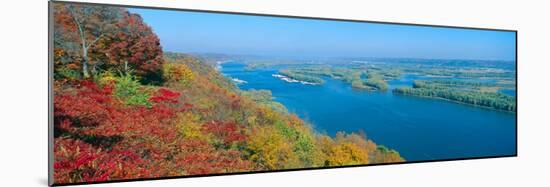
x: 418, y: 128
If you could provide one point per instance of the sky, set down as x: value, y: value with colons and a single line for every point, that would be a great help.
x: 197, y: 32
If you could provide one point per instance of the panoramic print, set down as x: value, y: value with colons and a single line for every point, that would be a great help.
x: 149, y: 93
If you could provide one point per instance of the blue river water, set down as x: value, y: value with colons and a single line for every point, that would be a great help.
x: 419, y: 129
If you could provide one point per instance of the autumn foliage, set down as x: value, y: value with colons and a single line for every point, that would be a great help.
x: 94, y: 129
x: 95, y: 38
x: 180, y: 73
x: 116, y: 125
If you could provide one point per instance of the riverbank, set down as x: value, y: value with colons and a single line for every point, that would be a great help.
x: 413, y: 126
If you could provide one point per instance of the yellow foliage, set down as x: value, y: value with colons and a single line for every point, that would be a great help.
x: 323, y: 144
x: 189, y: 126
x: 106, y: 77
x: 271, y: 150
x: 347, y: 154
x: 268, y: 115
x: 251, y: 120
x: 385, y: 155
x: 344, y: 149
x: 178, y: 72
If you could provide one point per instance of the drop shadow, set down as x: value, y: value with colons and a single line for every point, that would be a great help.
x: 42, y: 181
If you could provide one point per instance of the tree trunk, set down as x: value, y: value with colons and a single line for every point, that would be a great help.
x: 126, y: 66
x: 85, y: 61
x: 83, y: 42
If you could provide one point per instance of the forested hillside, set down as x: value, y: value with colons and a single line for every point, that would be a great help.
x: 473, y: 93
x: 123, y: 109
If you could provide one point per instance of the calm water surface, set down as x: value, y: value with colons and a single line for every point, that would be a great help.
x: 419, y: 128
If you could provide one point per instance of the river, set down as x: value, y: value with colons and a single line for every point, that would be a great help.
x: 419, y: 129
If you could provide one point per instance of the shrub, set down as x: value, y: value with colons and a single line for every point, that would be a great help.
x: 271, y: 150
x: 105, y: 77
x: 226, y: 133
x: 178, y: 73
x: 303, y: 142
x: 130, y: 91
x: 341, y: 150
x: 100, y: 138
x: 199, y: 157
x: 76, y: 161
x: 67, y: 73
x: 189, y: 126
x: 347, y: 154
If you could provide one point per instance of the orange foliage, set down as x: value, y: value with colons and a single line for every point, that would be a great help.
x: 178, y: 73
x: 198, y: 123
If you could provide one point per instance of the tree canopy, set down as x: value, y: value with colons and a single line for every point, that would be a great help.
x: 107, y: 38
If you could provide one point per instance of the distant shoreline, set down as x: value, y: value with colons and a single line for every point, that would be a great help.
x: 291, y: 80
x: 458, y: 102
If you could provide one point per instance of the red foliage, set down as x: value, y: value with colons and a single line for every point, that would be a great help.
x: 95, y: 108
x: 165, y: 95
x: 97, y: 137
x: 199, y: 157
x: 100, y: 138
x: 103, y: 139
x: 91, y: 106
x: 228, y: 132
x: 115, y: 38
x: 135, y: 44
x: 78, y: 160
